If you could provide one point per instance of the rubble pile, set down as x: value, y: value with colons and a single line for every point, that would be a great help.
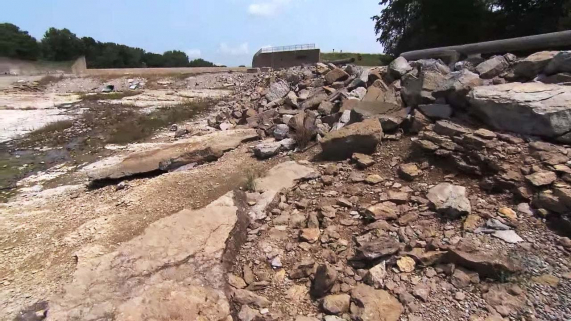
x: 431, y: 201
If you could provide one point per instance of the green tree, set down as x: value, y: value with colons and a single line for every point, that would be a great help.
x: 416, y: 24
x: 16, y: 43
x: 61, y: 45
x: 200, y: 63
x: 405, y: 25
x: 175, y: 58
x: 516, y: 18
x: 153, y: 60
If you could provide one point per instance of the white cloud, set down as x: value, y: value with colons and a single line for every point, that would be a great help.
x: 193, y: 53
x: 241, y: 49
x: 267, y: 8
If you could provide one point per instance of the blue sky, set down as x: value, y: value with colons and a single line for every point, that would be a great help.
x: 222, y: 31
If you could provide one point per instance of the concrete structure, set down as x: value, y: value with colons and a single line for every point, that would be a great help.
x: 285, y: 57
x: 16, y: 67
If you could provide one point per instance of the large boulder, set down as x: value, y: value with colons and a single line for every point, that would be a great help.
x: 419, y: 89
x: 436, y: 111
x: 449, y: 200
x: 360, y: 137
x: 433, y: 65
x: 528, y: 108
x: 314, y: 100
x: 492, y: 67
x: 336, y: 74
x: 533, y: 65
x: 560, y: 63
x: 399, y: 67
x: 457, y: 86
x: 374, y: 305
x: 277, y: 90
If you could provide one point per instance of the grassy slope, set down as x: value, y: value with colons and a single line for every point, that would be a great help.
x: 367, y: 59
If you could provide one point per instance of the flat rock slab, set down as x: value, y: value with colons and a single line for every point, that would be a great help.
x: 171, y: 156
x: 281, y: 176
x: 173, y: 271
x: 526, y: 108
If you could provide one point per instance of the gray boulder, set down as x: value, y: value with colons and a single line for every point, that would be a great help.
x: 281, y: 131
x: 449, y: 200
x: 529, y: 108
x: 314, y: 99
x: 436, y: 111
x: 399, y: 67
x: 561, y: 78
x: 560, y: 63
x: 492, y: 67
x: 336, y: 74
x: 433, y: 65
x: 533, y: 65
x: 457, y: 86
x: 267, y: 149
x: 277, y: 90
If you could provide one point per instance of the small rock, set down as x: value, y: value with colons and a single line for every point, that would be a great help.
x: 450, y: 200
x: 250, y: 298
x: 376, y: 275
x: 508, y: 236
x: 310, y: 235
x: 406, y: 264
x: 508, y: 213
x: 236, y: 281
x: 325, y: 278
x: 336, y: 303
x: 543, y: 178
x: 409, y: 171
x: 363, y: 160
x: 373, y: 179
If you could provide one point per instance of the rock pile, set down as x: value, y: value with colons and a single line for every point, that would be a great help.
x: 441, y: 178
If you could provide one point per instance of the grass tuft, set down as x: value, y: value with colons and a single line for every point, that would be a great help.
x: 49, y: 79
x: 250, y: 185
x: 304, y: 131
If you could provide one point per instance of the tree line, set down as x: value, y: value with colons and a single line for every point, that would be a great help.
x: 405, y: 25
x: 63, y: 45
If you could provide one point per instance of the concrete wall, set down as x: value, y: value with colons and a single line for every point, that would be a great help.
x: 285, y: 59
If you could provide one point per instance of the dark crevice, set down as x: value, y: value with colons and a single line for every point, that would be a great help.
x: 238, y: 236
x: 97, y: 184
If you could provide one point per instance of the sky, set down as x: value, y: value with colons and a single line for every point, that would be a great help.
x: 226, y: 32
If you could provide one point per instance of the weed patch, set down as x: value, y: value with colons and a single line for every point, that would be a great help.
x: 49, y: 79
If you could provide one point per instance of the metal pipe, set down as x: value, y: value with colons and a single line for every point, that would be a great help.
x: 537, y: 42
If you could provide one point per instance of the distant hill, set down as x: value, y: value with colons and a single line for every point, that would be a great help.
x: 365, y: 59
